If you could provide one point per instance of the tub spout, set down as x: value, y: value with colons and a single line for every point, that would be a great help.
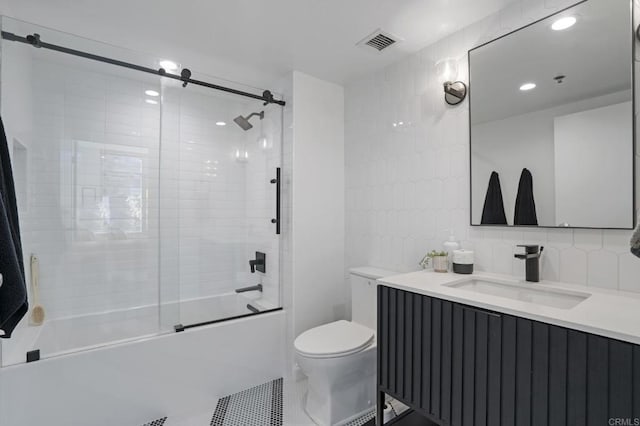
x: 251, y: 288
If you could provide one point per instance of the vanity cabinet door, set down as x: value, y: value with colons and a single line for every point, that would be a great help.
x: 462, y: 366
x: 441, y: 358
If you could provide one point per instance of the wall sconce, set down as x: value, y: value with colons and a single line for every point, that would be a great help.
x: 454, y: 91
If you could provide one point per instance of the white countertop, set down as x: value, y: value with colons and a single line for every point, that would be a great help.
x: 610, y: 313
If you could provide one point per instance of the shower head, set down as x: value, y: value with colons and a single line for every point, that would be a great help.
x: 243, y: 122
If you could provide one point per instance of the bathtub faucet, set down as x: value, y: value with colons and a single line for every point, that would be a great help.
x: 251, y: 288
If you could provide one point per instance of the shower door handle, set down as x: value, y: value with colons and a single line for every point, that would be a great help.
x: 277, y: 182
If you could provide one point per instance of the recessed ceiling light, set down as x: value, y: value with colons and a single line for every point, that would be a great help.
x: 151, y: 101
x: 151, y: 93
x: 527, y: 86
x: 563, y: 23
x: 169, y: 65
x: 220, y: 123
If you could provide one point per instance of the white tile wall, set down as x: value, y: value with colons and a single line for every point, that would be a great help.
x: 260, y: 193
x: 86, y: 267
x: 211, y: 199
x: 407, y: 184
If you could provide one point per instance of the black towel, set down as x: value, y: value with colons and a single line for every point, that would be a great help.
x: 493, y: 211
x: 13, y: 291
x: 525, y: 212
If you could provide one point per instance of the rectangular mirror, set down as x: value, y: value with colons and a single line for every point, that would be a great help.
x: 551, y: 115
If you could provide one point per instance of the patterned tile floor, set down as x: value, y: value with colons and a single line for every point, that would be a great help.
x: 277, y: 403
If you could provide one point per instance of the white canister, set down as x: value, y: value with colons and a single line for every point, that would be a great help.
x: 463, y: 261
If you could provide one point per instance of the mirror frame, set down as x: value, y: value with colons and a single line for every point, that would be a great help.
x: 635, y: 38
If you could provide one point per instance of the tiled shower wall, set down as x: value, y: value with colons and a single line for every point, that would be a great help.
x: 223, y: 207
x: 407, y: 173
x: 82, y: 119
x: 264, y: 145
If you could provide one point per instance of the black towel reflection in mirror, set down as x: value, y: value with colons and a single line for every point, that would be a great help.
x: 493, y: 211
x: 525, y: 211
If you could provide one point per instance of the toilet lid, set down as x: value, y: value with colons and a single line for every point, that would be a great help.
x: 339, y: 338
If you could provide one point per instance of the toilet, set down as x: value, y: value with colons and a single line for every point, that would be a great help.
x: 339, y: 358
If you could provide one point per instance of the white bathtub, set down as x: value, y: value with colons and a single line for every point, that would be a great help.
x: 135, y: 380
x: 72, y: 334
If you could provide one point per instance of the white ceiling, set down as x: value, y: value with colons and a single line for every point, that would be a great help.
x: 258, y: 41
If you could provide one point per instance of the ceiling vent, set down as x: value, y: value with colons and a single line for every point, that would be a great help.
x: 379, y: 40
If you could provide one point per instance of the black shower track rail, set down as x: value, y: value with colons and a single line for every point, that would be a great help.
x: 185, y: 77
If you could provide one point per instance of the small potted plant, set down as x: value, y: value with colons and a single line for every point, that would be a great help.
x: 438, y: 259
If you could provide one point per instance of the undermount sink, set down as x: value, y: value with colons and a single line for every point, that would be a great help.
x: 554, y: 298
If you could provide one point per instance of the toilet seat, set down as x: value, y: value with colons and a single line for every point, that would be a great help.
x: 334, y: 340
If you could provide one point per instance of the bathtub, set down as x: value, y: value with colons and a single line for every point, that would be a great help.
x: 78, y: 333
x: 114, y: 368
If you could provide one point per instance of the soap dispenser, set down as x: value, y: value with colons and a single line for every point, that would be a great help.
x: 449, y: 246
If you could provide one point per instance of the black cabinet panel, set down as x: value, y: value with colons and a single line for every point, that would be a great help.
x: 598, y: 380
x: 481, y: 368
x: 620, y: 379
x: 468, y: 366
x: 576, y: 378
x: 393, y: 344
x: 436, y: 355
x: 425, y: 372
x: 410, y: 341
x: 458, y: 365
x: 557, y: 376
x: 523, y: 372
x: 494, y: 371
x: 447, y: 353
x: 383, y: 337
x: 418, y: 348
x: 400, y: 348
x: 540, y: 374
x: 508, y: 390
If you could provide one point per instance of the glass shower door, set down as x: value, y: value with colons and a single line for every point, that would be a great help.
x: 85, y: 144
x: 225, y: 203
x: 144, y: 202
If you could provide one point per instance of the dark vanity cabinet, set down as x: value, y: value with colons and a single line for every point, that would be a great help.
x: 463, y: 366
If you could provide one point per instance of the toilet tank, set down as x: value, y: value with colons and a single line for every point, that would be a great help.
x: 364, y: 293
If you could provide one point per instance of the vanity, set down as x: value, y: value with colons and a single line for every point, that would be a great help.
x: 491, y: 350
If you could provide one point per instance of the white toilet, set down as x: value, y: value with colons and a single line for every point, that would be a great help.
x: 339, y: 358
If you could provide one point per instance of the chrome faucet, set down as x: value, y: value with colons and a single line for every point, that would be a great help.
x: 532, y: 261
x: 251, y: 288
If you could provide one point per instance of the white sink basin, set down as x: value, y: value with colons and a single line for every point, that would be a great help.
x: 562, y: 299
